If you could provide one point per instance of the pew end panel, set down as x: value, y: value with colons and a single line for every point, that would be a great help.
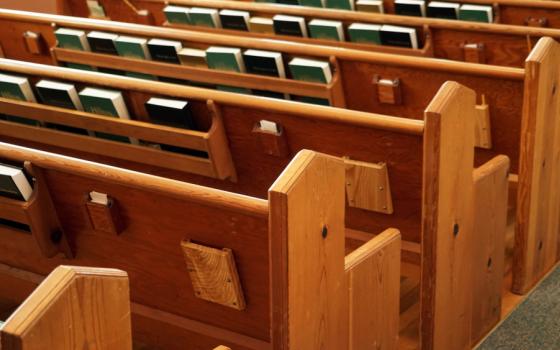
x: 536, y: 238
x: 61, y: 312
x: 447, y: 219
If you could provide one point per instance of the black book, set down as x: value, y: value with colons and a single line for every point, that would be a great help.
x: 61, y: 95
x: 165, y: 50
x: 264, y: 63
x: 175, y: 113
x: 289, y: 25
x: 288, y: 2
x: 13, y: 183
x: 237, y: 20
x: 102, y: 42
x: 410, y: 8
x: 398, y: 36
x: 445, y: 10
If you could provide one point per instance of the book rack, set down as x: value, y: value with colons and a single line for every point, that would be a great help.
x: 425, y: 51
x: 39, y: 214
x: 331, y: 91
x: 218, y: 165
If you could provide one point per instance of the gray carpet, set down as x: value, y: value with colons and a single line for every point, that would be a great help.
x: 535, y: 324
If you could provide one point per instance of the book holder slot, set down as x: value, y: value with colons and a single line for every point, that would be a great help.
x: 39, y: 214
x: 388, y: 90
x: 474, y: 53
x: 272, y: 143
x: 105, y: 218
x: 331, y: 92
x: 541, y: 22
x: 213, y: 275
x: 34, y: 43
x: 219, y: 163
x: 367, y: 186
x: 483, y: 134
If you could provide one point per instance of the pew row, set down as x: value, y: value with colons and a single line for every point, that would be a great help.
x: 437, y: 147
x: 496, y: 44
x: 63, y: 312
x: 504, y: 99
x: 242, y: 272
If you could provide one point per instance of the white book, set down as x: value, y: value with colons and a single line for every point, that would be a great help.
x: 95, y: 9
x: 14, y: 183
x: 267, y: 125
x: 336, y: 25
x: 276, y: 56
x: 420, y: 3
x: 206, y: 12
x: 99, y: 198
x: 367, y: 5
x: 411, y: 32
x: 289, y: 21
x: 22, y: 84
x: 308, y: 64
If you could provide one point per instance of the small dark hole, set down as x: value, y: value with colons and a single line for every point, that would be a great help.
x: 554, y: 89
x: 56, y: 236
x: 540, y: 245
x: 455, y: 230
x: 324, y: 232
x: 543, y: 163
x: 489, y: 264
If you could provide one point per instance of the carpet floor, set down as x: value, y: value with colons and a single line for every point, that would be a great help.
x: 535, y: 324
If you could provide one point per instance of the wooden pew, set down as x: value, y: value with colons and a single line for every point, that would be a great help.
x: 73, y: 308
x: 448, y: 155
x: 238, y: 270
x: 505, y: 92
x: 497, y: 44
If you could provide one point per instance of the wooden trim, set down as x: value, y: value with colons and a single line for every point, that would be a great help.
x: 447, y: 219
x: 363, y: 119
x: 176, y: 189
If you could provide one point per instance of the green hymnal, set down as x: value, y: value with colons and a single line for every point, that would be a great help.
x: 340, y: 4
x: 61, y: 95
x: 109, y: 103
x: 137, y: 48
x: 73, y: 39
x: 205, y: 17
x: 17, y: 88
x: 328, y: 30
x: 476, y: 13
x: 374, y: 6
x: 312, y: 3
x: 313, y: 71
x: 177, y: 14
x: 365, y: 33
x: 228, y: 59
x: 14, y: 183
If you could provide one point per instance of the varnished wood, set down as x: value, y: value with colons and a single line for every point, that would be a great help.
x: 61, y: 312
x: 487, y: 265
x: 368, y: 187
x: 214, y: 275
x: 447, y: 227
x: 373, y: 273
x: 536, y: 239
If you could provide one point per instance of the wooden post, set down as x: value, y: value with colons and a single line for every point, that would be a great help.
x: 490, y: 206
x: 447, y: 215
x: 308, y: 284
x: 538, y: 209
x: 74, y: 308
x: 373, y: 272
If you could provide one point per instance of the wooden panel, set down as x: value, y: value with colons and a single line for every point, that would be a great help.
x: 309, y: 291
x: 447, y: 219
x: 536, y: 239
x: 62, y: 312
x: 483, y: 132
x: 373, y: 273
x: 487, y: 263
x: 367, y: 186
x: 214, y: 275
